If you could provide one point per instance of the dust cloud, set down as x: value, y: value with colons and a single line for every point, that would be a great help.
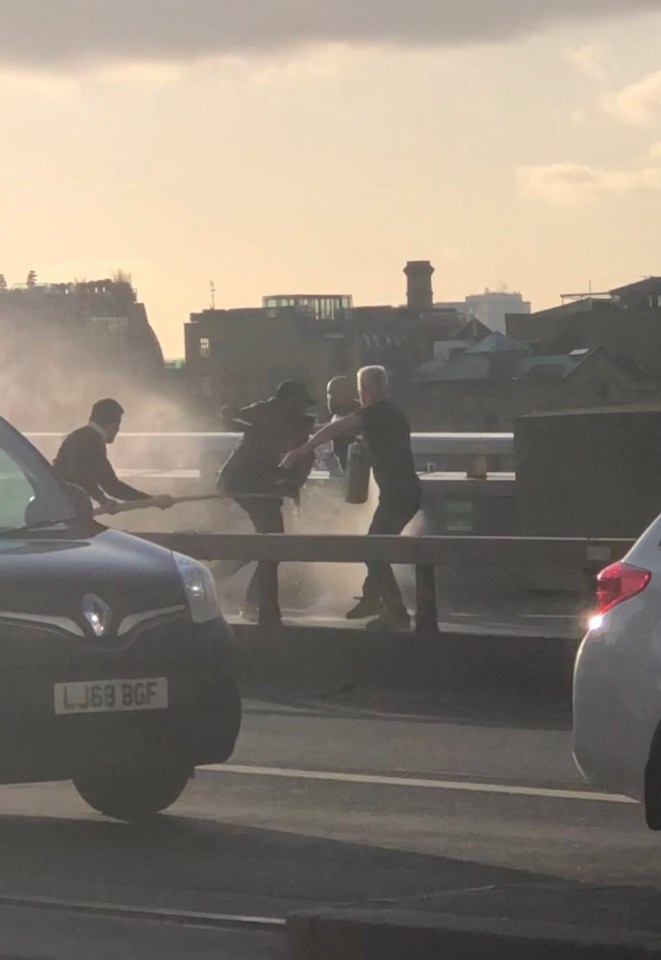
x: 318, y: 590
x: 49, y: 387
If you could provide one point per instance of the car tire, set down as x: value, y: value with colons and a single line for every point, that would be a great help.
x: 132, y: 793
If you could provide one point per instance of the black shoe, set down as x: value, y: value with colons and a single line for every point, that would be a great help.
x: 364, y: 609
x: 388, y: 622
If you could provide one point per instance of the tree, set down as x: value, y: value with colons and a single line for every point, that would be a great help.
x: 32, y: 279
x: 124, y: 279
x: 3, y: 282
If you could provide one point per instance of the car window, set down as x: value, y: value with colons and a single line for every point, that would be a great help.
x: 16, y: 492
x: 30, y: 491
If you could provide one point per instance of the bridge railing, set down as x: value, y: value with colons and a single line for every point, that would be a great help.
x: 422, y: 553
x: 473, y: 453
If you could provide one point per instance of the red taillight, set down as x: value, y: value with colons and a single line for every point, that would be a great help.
x: 618, y: 583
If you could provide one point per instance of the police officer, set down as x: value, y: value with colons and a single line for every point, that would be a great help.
x: 388, y: 436
x: 82, y: 459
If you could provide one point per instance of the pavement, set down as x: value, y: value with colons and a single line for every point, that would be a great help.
x: 462, y: 804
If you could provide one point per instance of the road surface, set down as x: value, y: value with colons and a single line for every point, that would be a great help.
x: 467, y: 805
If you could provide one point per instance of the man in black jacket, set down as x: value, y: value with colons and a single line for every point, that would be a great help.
x: 82, y: 459
x: 253, y: 476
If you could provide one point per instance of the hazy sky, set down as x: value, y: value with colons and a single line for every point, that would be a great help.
x: 278, y: 146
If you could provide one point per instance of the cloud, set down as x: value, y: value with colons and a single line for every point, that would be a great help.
x: 83, y: 33
x: 592, y: 60
x: 569, y: 183
x: 640, y: 102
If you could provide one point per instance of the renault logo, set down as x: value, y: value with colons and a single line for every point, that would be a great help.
x: 97, y: 613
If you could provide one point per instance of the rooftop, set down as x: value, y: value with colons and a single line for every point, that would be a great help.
x: 498, y: 343
x: 648, y: 285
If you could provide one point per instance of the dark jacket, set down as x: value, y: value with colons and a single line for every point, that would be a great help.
x: 270, y: 431
x: 82, y: 459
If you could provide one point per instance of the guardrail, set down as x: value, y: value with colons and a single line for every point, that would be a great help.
x: 472, y: 452
x: 423, y: 553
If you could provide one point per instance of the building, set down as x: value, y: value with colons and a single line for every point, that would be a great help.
x: 625, y: 321
x: 487, y: 386
x: 66, y: 344
x: 236, y: 356
x: 321, y: 306
x: 491, y: 308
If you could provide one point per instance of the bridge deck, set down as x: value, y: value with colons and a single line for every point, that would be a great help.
x: 546, y: 626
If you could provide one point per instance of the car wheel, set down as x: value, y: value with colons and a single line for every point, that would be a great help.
x: 135, y: 792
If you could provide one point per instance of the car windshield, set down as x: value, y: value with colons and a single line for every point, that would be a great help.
x: 31, y: 494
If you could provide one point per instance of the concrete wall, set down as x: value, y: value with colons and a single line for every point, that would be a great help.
x: 589, y: 474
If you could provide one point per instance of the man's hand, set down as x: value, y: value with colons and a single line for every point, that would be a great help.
x: 164, y: 501
x: 110, y: 507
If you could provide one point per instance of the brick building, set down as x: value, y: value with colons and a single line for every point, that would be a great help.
x: 236, y: 356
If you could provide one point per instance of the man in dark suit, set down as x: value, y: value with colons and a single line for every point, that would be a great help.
x: 83, y: 459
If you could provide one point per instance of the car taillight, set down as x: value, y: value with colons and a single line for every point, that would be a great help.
x: 618, y: 583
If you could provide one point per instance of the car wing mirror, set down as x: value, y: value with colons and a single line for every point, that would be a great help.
x: 82, y: 501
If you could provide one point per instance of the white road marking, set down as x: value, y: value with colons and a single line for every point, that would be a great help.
x: 459, y: 786
x: 546, y: 616
x: 151, y: 914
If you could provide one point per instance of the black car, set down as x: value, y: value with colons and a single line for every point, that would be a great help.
x: 116, y: 668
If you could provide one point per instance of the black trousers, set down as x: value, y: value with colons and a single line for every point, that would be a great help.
x: 390, y: 518
x: 266, y: 517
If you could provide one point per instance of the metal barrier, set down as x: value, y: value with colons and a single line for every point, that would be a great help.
x: 423, y: 553
x: 473, y: 453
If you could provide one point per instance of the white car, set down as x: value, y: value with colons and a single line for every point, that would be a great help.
x: 617, y: 680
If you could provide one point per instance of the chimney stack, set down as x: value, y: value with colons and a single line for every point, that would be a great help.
x: 419, y: 292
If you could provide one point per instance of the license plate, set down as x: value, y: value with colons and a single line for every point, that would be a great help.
x: 111, y: 696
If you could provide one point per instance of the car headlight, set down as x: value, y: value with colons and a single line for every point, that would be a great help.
x: 199, y: 588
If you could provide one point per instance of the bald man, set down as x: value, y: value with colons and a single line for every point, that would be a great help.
x: 341, y: 401
x: 388, y: 436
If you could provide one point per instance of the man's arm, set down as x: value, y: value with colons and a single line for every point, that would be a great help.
x: 331, y: 431
x: 76, y: 462
x: 114, y: 487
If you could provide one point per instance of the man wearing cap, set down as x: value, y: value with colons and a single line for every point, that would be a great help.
x: 253, y: 476
x: 82, y: 459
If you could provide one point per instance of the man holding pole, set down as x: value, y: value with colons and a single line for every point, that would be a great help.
x: 83, y: 460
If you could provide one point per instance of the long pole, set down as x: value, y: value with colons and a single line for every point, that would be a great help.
x: 198, y: 498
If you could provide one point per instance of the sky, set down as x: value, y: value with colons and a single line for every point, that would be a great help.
x: 295, y: 146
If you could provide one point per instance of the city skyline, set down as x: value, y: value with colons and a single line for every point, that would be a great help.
x: 519, y: 150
